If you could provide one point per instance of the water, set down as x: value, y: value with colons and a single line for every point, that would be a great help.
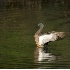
x: 17, y: 45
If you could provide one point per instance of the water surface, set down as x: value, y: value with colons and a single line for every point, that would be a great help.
x: 17, y: 45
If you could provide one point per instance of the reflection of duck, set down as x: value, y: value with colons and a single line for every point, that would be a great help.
x: 45, y: 38
x: 40, y: 55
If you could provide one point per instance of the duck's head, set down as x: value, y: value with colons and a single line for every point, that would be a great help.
x: 41, y: 25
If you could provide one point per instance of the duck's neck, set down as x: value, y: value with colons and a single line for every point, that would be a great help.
x: 39, y: 31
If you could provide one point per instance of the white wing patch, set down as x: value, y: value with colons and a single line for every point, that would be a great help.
x: 46, y: 38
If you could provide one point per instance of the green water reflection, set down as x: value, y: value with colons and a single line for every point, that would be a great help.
x: 17, y: 28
